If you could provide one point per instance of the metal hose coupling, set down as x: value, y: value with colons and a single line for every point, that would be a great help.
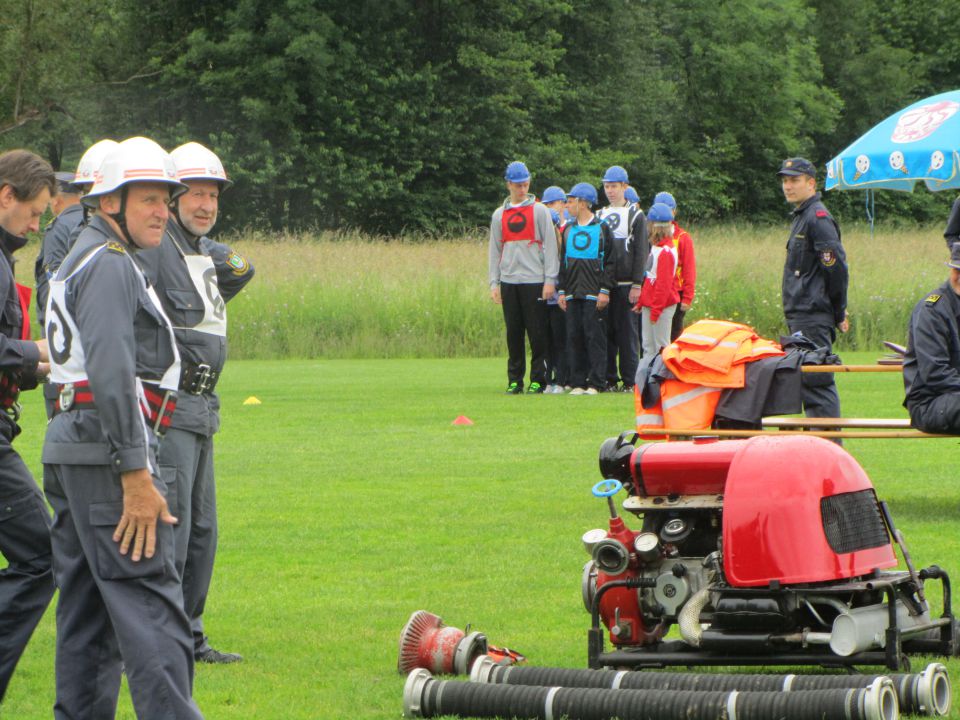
x: 879, y: 701
x: 932, y: 690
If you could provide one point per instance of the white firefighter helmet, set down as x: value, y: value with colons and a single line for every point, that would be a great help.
x: 90, y: 162
x: 195, y: 162
x: 135, y: 160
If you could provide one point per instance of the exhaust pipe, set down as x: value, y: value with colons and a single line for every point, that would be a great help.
x: 926, y: 693
x: 424, y: 696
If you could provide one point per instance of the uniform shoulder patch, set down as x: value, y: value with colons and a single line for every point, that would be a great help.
x: 932, y: 299
x: 828, y: 258
x: 114, y: 246
x: 821, y: 213
x: 238, y: 265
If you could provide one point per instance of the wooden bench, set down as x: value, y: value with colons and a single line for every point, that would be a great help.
x: 802, y: 423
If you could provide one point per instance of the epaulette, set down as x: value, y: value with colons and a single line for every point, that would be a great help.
x: 117, y: 247
x: 932, y: 299
x: 821, y: 213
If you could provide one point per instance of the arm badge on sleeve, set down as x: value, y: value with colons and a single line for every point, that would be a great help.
x: 237, y: 264
x: 828, y: 258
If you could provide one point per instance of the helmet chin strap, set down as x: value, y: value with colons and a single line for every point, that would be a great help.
x: 120, y: 217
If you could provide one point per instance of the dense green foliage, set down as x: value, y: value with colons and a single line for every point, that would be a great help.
x: 399, y: 115
x: 347, y: 501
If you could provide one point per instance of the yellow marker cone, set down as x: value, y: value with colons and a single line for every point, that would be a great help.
x: 252, y: 400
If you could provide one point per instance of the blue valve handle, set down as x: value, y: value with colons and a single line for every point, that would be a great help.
x: 607, y: 488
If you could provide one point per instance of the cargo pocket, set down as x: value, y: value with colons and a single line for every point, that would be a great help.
x: 25, y: 527
x: 111, y: 565
x: 170, y: 477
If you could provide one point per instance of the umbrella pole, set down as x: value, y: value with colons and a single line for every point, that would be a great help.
x: 870, y: 205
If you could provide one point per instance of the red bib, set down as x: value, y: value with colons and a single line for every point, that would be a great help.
x: 517, y: 224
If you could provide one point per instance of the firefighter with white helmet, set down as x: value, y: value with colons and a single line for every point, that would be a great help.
x: 114, y: 357
x: 195, y: 277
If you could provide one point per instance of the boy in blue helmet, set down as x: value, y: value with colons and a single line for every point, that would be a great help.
x: 555, y: 199
x: 523, y: 276
x: 586, y: 279
x: 629, y: 229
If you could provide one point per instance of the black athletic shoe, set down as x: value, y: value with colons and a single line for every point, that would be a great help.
x: 215, y: 657
x: 514, y: 388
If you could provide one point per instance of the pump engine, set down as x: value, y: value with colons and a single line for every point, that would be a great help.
x: 771, y: 550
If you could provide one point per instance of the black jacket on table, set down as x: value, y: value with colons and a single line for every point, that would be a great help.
x: 166, y: 268
x: 931, y: 365
x: 586, y: 260
x: 815, y: 274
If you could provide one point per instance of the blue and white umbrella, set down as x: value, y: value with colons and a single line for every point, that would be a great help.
x: 919, y: 143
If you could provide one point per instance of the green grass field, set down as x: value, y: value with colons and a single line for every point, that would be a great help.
x: 347, y: 500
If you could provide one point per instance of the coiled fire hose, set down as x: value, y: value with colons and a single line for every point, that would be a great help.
x: 424, y: 696
x: 924, y: 693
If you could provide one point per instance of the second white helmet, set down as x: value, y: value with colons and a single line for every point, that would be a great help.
x: 135, y: 160
x: 196, y: 162
x: 90, y: 162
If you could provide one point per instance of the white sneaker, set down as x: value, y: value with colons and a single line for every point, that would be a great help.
x: 591, y: 391
x: 554, y: 389
x: 578, y: 391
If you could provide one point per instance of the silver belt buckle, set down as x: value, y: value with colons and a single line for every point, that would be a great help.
x: 67, y: 395
x: 204, y: 376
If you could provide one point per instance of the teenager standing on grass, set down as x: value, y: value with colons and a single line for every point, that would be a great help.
x: 629, y: 229
x: 586, y: 279
x: 554, y: 198
x: 686, y: 265
x: 114, y: 355
x: 26, y: 584
x: 195, y: 277
x: 659, y: 297
x: 523, y: 276
x: 815, y: 279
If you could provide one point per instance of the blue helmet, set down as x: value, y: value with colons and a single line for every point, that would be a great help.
x: 584, y: 191
x: 665, y: 198
x: 616, y: 174
x: 660, y: 212
x: 552, y: 194
x: 630, y: 195
x: 516, y: 172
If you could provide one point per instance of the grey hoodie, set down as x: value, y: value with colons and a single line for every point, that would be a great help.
x: 524, y: 261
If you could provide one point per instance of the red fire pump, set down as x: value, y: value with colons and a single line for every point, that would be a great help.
x: 772, y: 550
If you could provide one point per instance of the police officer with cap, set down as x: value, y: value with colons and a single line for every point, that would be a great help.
x: 26, y: 584
x: 195, y: 277
x: 815, y: 279
x: 931, y: 364
x: 114, y: 356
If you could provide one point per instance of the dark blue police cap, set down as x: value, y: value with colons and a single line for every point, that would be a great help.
x: 798, y: 166
x: 65, y: 182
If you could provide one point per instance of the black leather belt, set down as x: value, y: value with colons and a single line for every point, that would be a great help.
x: 197, y: 379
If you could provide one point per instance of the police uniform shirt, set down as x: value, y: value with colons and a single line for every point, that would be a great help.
x: 815, y: 274
x: 931, y: 365
x: 58, y: 238
x: 167, y: 269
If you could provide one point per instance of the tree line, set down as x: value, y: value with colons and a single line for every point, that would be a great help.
x: 399, y: 116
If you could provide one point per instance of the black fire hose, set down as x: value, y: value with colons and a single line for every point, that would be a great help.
x: 424, y: 696
x: 925, y: 693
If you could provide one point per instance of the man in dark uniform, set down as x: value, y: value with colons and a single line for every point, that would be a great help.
x: 26, y: 584
x: 57, y: 239
x: 114, y: 356
x: 931, y: 365
x: 815, y: 279
x: 195, y: 277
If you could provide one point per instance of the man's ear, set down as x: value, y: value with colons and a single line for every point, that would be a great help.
x: 7, y: 196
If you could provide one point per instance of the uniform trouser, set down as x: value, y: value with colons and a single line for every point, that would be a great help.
x: 26, y: 584
x: 113, y: 610
x: 186, y: 466
x: 820, y: 397
x: 940, y: 415
x: 557, y: 366
x: 622, y: 337
x: 676, y: 328
x: 525, y: 312
x: 656, y: 335
x: 587, y: 343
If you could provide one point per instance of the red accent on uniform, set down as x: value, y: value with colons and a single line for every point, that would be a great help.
x: 517, y: 224
x: 23, y: 295
x: 821, y: 213
x: 686, y: 264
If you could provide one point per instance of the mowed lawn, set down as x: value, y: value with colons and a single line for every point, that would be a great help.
x: 348, y: 500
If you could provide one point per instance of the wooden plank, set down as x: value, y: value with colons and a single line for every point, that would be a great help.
x: 866, y: 423
x: 852, y: 434
x: 850, y: 368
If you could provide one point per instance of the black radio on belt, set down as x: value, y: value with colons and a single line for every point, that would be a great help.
x: 198, y: 379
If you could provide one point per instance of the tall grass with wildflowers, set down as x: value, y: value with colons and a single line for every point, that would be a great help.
x: 353, y: 296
